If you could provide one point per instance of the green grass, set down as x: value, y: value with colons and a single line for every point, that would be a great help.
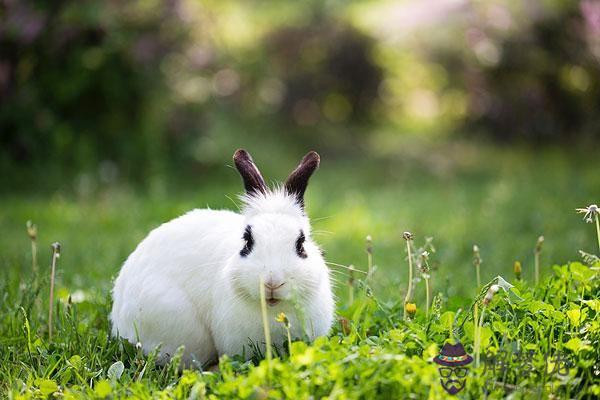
x: 500, y: 200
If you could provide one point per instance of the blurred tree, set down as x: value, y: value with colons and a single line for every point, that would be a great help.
x: 135, y: 86
x: 80, y: 81
x: 540, y: 82
x: 327, y: 70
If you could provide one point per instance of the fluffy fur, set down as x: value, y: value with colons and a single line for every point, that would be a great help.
x: 187, y: 284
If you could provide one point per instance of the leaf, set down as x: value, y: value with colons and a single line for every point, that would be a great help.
x: 503, y: 283
x: 576, y: 345
x: 500, y: 327
x: 102, y: 388
x: 536, y: 306
x: 446, y: 320
x: 594, y: 304
x: 557, y: 315
x: 486, y: 335
x: 75, y: 361
x: 509, y: 289
x: 47, y: 386
x: 115, y: 371
x: 576, y: 316
x: 581, y: 272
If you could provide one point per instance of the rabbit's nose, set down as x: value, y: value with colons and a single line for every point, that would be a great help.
x: 273, y: 285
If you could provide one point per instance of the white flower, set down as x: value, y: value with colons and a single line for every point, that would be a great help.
x: 589, y: 212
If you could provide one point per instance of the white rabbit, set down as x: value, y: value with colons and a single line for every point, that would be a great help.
x: 195, y: 281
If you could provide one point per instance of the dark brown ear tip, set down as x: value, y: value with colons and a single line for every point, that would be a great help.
x: 313, y: 157
x: 241, y: 154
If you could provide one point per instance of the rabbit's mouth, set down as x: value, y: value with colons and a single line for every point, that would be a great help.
x: 272, y: 301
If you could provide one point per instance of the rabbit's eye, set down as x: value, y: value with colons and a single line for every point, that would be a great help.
x: 249, y: 241
x: 300, y: 246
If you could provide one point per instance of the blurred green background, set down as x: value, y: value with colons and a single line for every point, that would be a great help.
x: 469, y: 121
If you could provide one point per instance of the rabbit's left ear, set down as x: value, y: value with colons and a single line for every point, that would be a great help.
x: 298, y: 180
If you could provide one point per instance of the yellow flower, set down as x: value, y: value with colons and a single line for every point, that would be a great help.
x: 411, y: 308
x: 517, y: 269
x: 283, y: 319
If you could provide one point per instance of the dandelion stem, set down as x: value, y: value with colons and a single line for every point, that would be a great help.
x: 477, y: 263
x: 598, y: 230
x: 55, y: 256
x: 289, y: 339
x: 536, y: 258
x: 369, y: 258
x: 408, y: 237
x: 475, y: 324
x: 478, y: 337
x: 283, y: 319
x: 351, y: 286
x: 32, y: 233
x: 33, y: 256
x: 263, y: 307
x: 537, y: 267
x: 427, y: 298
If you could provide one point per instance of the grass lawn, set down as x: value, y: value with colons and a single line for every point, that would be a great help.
x: 501, y: 200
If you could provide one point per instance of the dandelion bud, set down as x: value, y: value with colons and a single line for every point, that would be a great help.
x: 369, y: 244
x: 411, y: 308
x: 490, y: 294
x: 56, y: 249
x: 31, y: 230
x: 517, y: 269
x: 538, y: 246
x: 138, y: 346
x: 476, y: 256
x: 407, y: 236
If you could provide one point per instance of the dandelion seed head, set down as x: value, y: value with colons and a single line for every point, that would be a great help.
x: 589, y: 212
x: 56, y: 249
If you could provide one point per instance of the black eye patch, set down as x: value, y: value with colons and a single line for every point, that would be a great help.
x: 300, y: 246
x: 249, y: 241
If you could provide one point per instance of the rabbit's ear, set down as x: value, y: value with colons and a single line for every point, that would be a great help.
x: 298, y: 180
x: 253, y: 180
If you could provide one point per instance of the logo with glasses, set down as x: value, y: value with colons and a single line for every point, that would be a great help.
x: 453, y: 361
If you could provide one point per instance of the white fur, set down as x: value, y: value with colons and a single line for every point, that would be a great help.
x: 187, y: 284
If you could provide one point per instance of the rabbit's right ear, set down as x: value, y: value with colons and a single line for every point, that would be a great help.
x: 253, y: 180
